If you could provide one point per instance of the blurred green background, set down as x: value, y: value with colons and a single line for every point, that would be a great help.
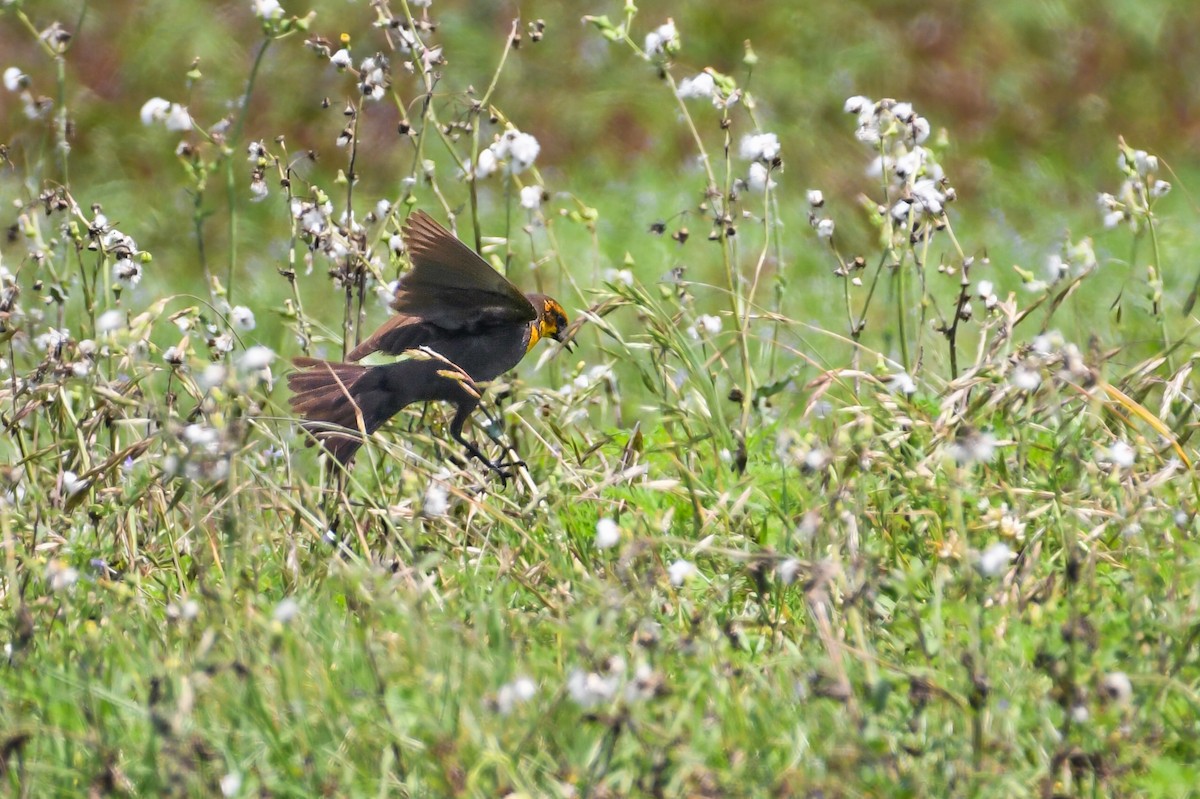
x: 1032, y: 94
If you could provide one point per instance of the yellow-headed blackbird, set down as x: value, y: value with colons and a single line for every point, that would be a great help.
x: 471, y: 324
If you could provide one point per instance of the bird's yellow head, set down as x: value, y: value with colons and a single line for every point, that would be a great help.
x: 551, y: 320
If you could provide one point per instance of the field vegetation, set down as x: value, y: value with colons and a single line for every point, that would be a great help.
x: 872, y: 472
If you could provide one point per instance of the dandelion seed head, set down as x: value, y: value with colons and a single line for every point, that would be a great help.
x: 230, y: 784
x: 53, y: 339
x: 256, y: 358
x: 680, y: 571
x: 213, y: 375
x: 1144, y: 163
x: 109, y: 321
x: 788, y: 571
x: 531, y: 197
x: 61, y: 576
x: 178, y: 119
x: 759, y: 147
x: 902, y: 383
x: 523, y: 149
x: 514, y: 693
x: 663, y: 40
x: 437, y: 500
x: 1117, y: 687
x: 994, y: 560
x: 1120, y: 454
x: 15, y: 79
x: 709, y: 323
x: 71, y: 483
x: 700, y: 86
x: 623, y: 277
x: 857, y: 104
x: 1025, y: 379
x: 972, y: 446
x: 759, y: 179
x: 589, y: 689
x: 127, y: 272
x: 486, y: 164
x: 267, y: 9
x: 242, y: 318
x: 286, y: 610
x: 154, y: 110
x: 608, y: 534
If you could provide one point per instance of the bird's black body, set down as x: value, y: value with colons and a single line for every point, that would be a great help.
x: 461, y: 323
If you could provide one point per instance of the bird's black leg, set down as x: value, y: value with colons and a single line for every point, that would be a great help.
x: 456, y: 427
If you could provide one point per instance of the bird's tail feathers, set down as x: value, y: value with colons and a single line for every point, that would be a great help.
x: 328, y: 395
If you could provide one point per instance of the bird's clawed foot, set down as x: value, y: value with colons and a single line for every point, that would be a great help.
x: 504, y: 470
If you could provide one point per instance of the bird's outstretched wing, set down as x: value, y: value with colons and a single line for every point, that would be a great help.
x: 449, y: 291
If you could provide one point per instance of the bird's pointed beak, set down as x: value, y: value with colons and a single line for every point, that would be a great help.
x: 562, y: 337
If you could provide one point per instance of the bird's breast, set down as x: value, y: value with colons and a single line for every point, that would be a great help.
x: 487, y: 354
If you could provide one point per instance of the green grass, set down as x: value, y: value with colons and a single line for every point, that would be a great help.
x: 825, y: 583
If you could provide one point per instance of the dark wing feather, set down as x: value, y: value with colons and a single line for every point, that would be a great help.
x: 441, y: 261
x: 449, y: 290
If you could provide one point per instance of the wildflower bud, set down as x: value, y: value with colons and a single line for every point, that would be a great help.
x: 750, y: 58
